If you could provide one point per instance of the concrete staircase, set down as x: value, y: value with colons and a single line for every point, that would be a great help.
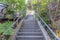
x: 30, y: 30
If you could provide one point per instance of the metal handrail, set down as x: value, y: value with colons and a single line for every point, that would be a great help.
x: 55, y: 36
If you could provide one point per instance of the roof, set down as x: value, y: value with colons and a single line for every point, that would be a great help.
x: 3, y: 5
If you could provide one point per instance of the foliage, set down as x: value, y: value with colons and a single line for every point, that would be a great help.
x: 41, y: 8
x: 9, y: 14
x: 34, y: 1
x: 6, y: 26
x: 24, y: 13
x: 14, y: 6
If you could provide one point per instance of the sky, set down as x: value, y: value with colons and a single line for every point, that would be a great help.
x: 26, y: 1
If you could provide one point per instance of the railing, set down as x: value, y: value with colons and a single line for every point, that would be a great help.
x: 51, y: 31
x: 15, y: 24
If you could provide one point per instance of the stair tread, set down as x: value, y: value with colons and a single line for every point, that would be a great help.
x: 30, y: 32
x: 31, y: 36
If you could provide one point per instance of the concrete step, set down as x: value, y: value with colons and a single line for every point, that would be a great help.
x: 29, y: 25
x: 29, y: 22
x: 30, y: 30
x: 29, y: 34
x: 30, y: 38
